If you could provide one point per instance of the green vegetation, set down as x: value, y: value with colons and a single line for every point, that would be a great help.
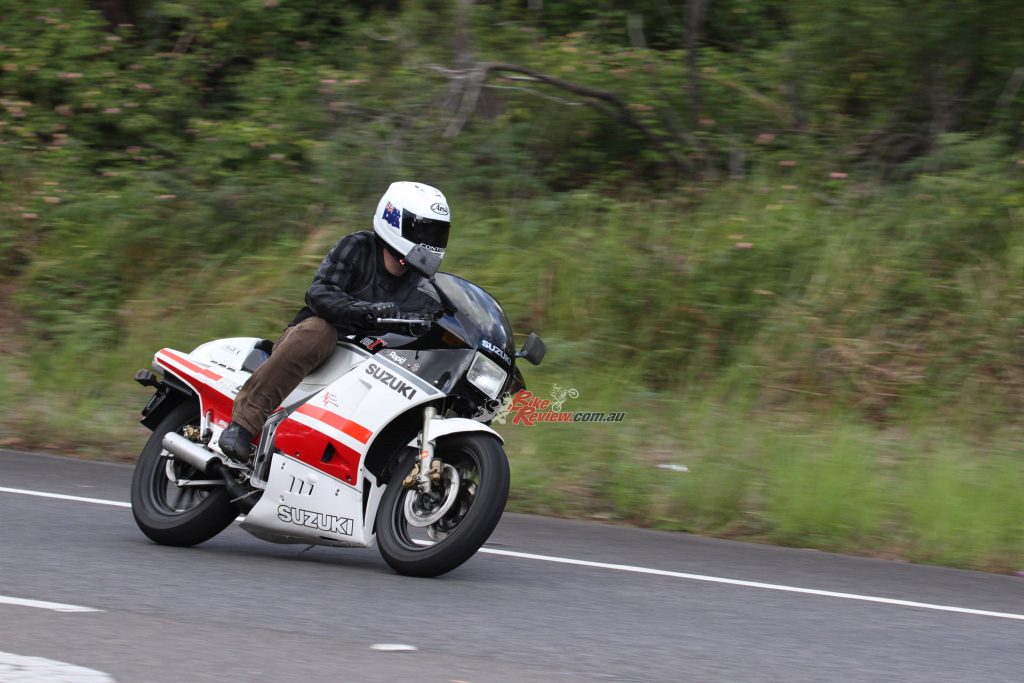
x: 785, y: 237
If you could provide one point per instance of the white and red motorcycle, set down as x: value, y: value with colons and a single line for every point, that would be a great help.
x: 387, y: 441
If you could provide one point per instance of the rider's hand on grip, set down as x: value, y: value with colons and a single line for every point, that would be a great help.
x: 383, y: 309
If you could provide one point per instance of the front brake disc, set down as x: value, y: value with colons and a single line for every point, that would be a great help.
x: 420, y: 515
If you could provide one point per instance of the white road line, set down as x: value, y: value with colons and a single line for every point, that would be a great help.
x: 653, y: 572
x: 20, y: 669
x: 61, y: 496
x: 42, y: 604
x: 393, y: 647
x: 80, y: 499
x: 751, y: 584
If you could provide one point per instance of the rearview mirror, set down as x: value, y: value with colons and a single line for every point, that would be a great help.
x: 423, y: 261
x: 533, y: 349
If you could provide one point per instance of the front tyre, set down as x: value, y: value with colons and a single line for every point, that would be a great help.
x: 420, y: 536
x: 170, y: 514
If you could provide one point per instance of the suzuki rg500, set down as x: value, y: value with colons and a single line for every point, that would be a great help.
x: 387, y: 441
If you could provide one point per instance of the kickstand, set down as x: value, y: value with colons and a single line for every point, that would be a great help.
x: 308, y: 547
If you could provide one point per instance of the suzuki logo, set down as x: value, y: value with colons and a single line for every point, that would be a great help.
x: 391, y: 380
x: 497, y: 350
x: 341, y: 526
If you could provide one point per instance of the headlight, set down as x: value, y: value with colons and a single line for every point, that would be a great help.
x: 486, y: 375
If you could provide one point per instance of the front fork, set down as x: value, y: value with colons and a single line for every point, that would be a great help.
x: 427, y: 471
x: 426, y: 451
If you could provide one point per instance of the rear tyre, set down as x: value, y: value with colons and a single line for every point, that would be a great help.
x: 170, y: 514
x: 475, y: 472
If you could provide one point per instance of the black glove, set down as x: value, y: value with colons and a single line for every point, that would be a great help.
x: 384, y: 309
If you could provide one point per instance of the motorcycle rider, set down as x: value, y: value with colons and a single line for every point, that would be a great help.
x: 363, y: 278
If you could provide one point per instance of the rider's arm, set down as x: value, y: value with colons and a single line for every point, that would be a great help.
x: 328, y: 296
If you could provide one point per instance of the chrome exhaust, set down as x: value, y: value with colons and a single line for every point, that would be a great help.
x: 191, y: 453
x: 187, y: 451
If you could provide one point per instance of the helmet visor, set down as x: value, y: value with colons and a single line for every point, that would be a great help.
x: 428, y: 231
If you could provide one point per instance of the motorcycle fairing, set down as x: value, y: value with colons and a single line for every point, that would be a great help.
x: 316, y: 435
x: 301, y: 505
x: 316, y: 469
x: 214, y: 386
x: 334, y: 430
x: 334, y: 412
x: 444, y: 426
x: 213, y: 372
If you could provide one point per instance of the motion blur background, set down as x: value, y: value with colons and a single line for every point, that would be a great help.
x: 786, y: 237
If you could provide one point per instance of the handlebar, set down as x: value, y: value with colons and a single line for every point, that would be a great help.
x: 405, y: 321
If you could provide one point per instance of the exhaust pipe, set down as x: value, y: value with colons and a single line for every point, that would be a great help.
x: 208, y: 462
x: 187, y: 451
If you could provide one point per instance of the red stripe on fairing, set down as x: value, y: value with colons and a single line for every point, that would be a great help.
x: 353, y: 429
x: 308, y: 445
x: 190, y: 365
x: 213, y: 399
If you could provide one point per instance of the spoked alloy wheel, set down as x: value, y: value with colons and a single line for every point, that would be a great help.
x: 170, y: 514
x: 422, y: 535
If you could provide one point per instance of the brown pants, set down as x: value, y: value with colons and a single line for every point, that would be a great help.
x: 297, y: 352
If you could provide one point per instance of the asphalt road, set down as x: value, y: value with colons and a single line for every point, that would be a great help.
x: 547, y: 600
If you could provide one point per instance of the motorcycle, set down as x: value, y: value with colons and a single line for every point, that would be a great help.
x: 387, y: 441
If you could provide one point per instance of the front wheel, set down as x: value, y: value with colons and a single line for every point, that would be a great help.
x: 166, y: 512
x: 421, y: 535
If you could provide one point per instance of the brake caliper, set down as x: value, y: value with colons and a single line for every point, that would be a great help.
x: 411, y: 480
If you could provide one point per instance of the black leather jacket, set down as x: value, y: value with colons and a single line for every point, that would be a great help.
x: 352, y: 275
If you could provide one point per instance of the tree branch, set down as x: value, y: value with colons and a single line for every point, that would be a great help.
x: 535, y: 93
x: 601, y: 99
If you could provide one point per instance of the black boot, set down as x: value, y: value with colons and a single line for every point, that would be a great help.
x: 236, y: 442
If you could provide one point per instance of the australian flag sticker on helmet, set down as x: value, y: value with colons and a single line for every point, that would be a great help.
x: 392, y: 215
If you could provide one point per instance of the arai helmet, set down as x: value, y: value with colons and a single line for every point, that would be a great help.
x: 413, y: 213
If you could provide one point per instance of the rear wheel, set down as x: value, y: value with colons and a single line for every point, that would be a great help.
x: 170, y: 514
x: 422, y: 535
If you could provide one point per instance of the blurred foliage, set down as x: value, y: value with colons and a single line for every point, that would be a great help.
x: 835, y: 226
x: 874, y: 205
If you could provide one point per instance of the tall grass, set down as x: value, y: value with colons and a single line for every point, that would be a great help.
x: 837, y: 366
x: 836, y: 484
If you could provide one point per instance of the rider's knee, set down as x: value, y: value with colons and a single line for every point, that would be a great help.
x: 322, y: 335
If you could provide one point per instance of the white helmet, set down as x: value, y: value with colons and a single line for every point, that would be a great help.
x: 412, y: 213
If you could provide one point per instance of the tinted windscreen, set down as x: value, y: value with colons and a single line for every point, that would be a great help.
x: 420, y: 230
x: 479, y: 316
